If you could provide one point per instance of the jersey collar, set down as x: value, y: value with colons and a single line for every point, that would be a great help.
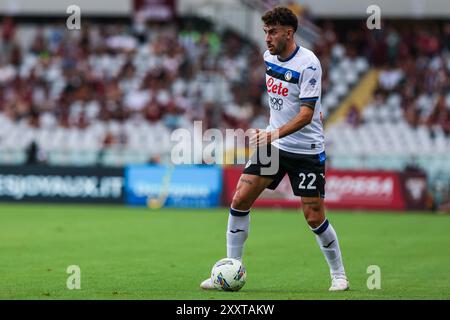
x: 291, y: 56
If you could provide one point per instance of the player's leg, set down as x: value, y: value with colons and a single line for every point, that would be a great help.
x: 307, y: 176
x: 251, y: 184
x: 248, y: 190
x: 314, y: 211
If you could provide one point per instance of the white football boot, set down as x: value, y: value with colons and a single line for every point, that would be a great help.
x: 207, y: 285
x: 339, y: 283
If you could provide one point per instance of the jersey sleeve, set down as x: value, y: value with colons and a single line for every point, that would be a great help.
x: 310, y: 84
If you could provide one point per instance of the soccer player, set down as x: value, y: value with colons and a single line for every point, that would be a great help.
x: 293, y: 80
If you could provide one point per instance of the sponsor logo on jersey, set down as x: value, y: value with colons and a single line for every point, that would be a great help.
x: 288, y: 75
x: 277, y: 87
x: 312, y: 68
x: 276, y: 103
x: 313, y: 82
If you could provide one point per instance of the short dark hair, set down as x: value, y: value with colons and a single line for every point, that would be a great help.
x: 280, y: 16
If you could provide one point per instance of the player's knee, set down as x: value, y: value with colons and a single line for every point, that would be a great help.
x: 313, y: 216
x: 240, y: 203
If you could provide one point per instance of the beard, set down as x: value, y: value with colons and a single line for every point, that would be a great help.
x: 277, y: 50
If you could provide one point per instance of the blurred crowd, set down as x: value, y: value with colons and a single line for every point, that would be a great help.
x: 414, y: 64
x: 176, y: 74
x: 167, y: 74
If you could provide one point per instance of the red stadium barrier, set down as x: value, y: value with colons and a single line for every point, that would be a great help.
x: 346, y: 189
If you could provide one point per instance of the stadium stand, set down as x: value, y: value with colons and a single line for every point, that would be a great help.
x: 109, y: 97
x: 407, y: 121
x: 111, y: 94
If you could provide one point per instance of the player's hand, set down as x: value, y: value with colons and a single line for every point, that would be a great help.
x: 262, y: 138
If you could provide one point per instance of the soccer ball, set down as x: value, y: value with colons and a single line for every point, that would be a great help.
x: 228, y: 275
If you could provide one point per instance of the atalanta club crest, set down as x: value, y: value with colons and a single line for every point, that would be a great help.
x: 288, y: 75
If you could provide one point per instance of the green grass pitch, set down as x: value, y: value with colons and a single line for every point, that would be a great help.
x: 137, y: 253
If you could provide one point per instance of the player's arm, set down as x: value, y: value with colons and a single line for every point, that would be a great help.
x: 302, y: 119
